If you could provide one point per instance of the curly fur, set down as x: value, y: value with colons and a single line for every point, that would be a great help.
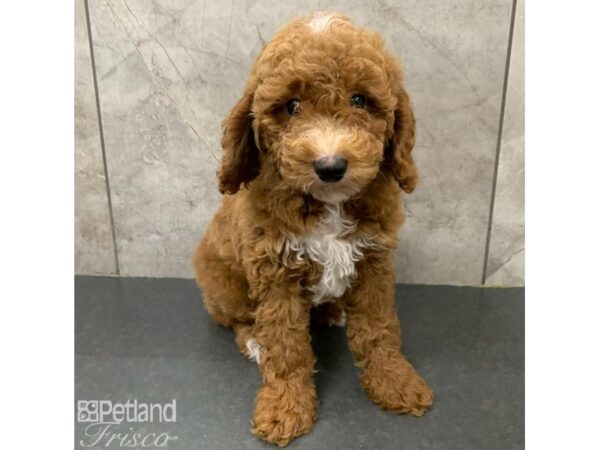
x: 285, y: 246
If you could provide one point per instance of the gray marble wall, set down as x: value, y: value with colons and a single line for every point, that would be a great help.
x: 169, y: 70
x: 94, y: 250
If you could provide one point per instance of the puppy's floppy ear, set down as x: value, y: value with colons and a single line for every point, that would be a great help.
x: 399, y: 149
x: 241, y: 163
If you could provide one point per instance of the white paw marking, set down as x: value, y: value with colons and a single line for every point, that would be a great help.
x: 341, y: 322
x: 254, y: 350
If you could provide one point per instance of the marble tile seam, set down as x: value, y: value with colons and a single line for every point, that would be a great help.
x: 102, y: 147
x: 498, y: 143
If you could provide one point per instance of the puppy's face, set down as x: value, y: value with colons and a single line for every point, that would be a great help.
x: 323, y: 112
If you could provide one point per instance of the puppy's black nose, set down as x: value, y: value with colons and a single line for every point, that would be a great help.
x: 331, y: 168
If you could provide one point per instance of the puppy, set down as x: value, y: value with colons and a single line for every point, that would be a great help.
x: 316, y: 154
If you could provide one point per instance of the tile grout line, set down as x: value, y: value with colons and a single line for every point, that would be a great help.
x: 498, y: 143
x: 102, y: 147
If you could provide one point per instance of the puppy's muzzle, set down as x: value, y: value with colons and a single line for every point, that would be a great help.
x: 331, y: 168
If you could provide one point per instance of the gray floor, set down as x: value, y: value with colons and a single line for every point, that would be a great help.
x: 150, y: 340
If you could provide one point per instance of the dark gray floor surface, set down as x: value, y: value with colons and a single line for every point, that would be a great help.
x: 151, y: 340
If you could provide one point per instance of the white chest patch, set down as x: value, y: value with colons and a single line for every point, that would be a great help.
x: 328, y: 246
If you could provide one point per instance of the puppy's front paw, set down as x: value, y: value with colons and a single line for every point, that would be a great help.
x: 284, y: 410
x: 396, y: 386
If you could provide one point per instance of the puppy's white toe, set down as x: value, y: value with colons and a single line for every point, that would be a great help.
x: 341, y: 322
x: 254, y: 350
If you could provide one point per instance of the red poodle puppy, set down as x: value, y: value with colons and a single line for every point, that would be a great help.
x: 316, y: 154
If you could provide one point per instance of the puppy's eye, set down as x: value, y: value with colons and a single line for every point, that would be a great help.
x: 358, y: 101
x: 292, y: 106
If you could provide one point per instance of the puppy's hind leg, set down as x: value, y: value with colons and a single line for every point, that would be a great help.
x: 329, y: 314
x: 224, y: 289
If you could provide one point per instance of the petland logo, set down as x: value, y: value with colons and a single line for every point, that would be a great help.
x: 105, y: 420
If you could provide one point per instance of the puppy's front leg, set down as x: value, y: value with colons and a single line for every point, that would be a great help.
x: 373, y: 331
x: 286, y: 402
